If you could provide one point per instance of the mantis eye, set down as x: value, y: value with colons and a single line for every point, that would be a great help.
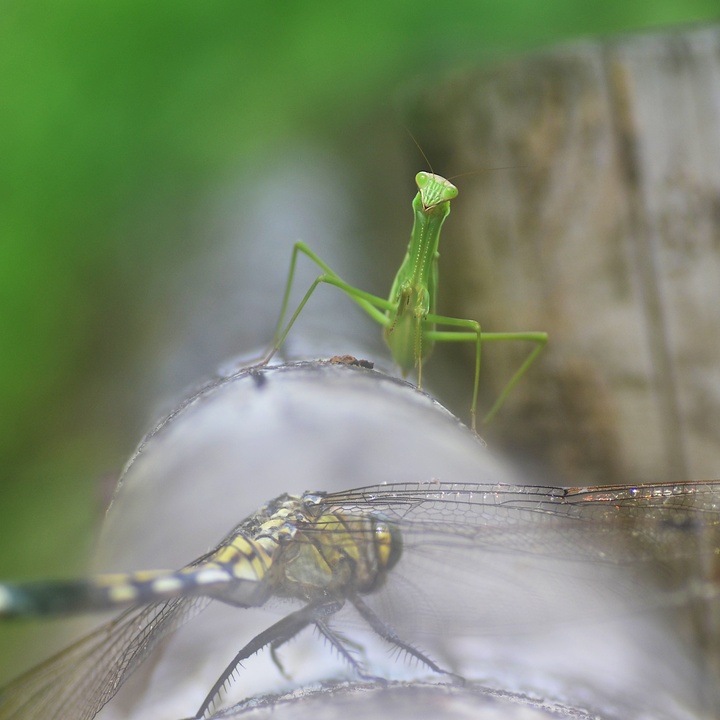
x: 421, y: 180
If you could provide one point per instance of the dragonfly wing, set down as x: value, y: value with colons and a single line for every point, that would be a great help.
x: 80, y: 680
x: 483, y: 552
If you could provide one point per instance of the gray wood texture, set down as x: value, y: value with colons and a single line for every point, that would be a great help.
x: 604, y: 231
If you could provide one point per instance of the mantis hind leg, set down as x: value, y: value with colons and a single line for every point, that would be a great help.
x: 374, y: 306
x: 475, y: 334
x: 419, y: 351
x: 540, y: 339
x: 472, y: 334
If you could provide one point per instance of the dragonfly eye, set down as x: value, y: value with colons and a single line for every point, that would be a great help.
x: 388, y: 543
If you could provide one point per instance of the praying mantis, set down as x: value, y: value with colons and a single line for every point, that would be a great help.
x: 407, y: 316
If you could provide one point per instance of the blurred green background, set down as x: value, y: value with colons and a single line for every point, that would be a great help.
x: 118, y: 121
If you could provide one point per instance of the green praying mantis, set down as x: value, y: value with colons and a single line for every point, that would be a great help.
x: 407, y: 316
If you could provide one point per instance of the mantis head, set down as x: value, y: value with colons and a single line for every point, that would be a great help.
x: 434, y: 190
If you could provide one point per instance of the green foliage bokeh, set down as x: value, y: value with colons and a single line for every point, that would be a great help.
x: 110, y: 109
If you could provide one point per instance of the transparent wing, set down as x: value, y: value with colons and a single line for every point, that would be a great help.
x: 473, y: 557
x: 644, y: 522
x: 80, y: 680
x: 481, y: 557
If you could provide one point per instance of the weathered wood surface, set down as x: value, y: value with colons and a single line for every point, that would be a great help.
x: 605, y: 232
x: 536, y: 633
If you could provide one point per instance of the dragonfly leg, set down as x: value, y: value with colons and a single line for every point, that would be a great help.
x: 390, y: 636
x: 341, y: 644
x: 275, y: 636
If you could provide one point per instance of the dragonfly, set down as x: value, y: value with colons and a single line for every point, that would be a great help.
x: 327, y: 550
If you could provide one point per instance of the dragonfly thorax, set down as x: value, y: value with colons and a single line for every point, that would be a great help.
x: 339, y: 554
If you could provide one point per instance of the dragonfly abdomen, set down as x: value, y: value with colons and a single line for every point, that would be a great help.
x: 104, y: 592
